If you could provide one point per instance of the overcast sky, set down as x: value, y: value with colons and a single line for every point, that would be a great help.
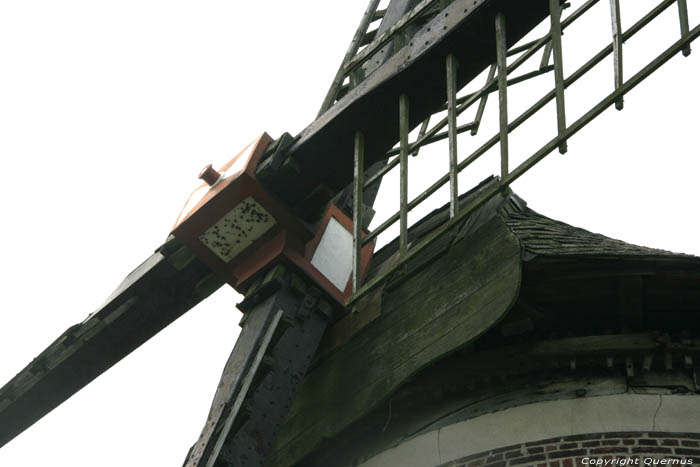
x: 108, y: 110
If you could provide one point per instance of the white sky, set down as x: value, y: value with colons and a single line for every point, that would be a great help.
x: 108, y: 110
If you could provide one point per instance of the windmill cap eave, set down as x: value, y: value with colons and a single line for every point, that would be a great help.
x: 539, y: 235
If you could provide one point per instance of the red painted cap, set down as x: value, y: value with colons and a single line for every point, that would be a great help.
x: 210, y: 175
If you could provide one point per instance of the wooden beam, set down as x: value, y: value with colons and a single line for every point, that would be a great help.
x: 366, y: 106
x: 605, y: 103
x: 423, y: 128
x: 389, y: 35
x: 403, y: 174
x: 451, y: 70
x: 150, y: 298
x: 357, y: 206
x: 683, y: 16
x: 482, y: 101
x: 502, y: 90
x: 617, y: 49
x: 555, y: 14
x: 605, y: 345
x: 574, y: 128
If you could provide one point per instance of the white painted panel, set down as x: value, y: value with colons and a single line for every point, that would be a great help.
x: 238, y: 229
x: 333, y: 257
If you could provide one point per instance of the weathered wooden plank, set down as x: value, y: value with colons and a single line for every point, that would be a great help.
x: 555, y: 15
x: 482, y: 102
x: 617, y: 49
x: 423, y: 128
x: 435, y: 336
x: 590, y: 345
x: 451, y: 71
x: 400, y: 21
x: 446, y: 279
x: 357, y: 207
x: 451, y: 302
x: 353, y: 323
x: 386, y: 376
x: 683, y: 16
x: 403, y: 173
x: 475, y: 202
x: 151, y: 297
x: 246, y: 439
x: 454, y: 268
x: 395, y: 12
x: 235, y: 381
x: 417, y: 70
x: 502, y: 89
x: 412, y: 305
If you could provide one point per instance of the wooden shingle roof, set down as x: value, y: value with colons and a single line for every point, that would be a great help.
x: 541, y: 235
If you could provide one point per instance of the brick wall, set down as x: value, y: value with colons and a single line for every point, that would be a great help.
x: 621, y: 448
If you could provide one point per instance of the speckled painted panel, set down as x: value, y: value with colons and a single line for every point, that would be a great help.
x: 238, y: 229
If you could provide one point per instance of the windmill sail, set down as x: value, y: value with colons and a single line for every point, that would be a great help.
x: 392, y: 79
